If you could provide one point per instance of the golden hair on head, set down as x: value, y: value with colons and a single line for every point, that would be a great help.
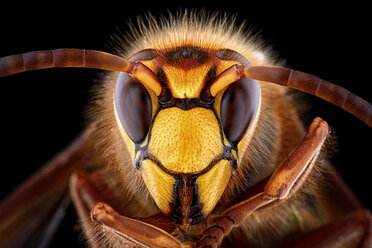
x: 194, y: 141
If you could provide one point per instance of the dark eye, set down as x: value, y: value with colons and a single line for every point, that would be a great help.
x: 133, y: 105
x: 239, y: 106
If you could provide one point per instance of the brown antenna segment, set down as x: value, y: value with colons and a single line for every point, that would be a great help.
x: 64, y: 57
x: 304, y: 82
x: 70, y: 57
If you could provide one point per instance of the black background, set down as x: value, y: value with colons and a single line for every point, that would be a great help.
x: 41, y: 111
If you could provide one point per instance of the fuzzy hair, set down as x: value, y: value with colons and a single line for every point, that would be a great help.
x: 188, y: 28
x: 278, y: 129
x: 192, y: 28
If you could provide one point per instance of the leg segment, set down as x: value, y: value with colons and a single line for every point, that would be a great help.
x: 285, y: 181
x: 138, y: 232
x: 30, y: 213
x: 358, y: 223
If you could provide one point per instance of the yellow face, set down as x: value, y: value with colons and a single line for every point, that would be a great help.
x: 184, y: 141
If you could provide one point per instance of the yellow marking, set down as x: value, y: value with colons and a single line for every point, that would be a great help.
x: 159, y: 183
x: 138, y: 154
x: 147, y: 77
x: 144, y: 143
x: 185, y: 141
x: 212, y: 184
x: 217, y: 103
x: 223, y: 80
x: 186, y: 83
x: 225, y: 141
x: 233, y: 152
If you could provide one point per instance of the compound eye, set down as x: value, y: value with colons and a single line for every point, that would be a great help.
x: 133, y: 106
x: 239, y: 106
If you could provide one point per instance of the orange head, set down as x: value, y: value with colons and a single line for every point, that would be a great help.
x: 184, y: 140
